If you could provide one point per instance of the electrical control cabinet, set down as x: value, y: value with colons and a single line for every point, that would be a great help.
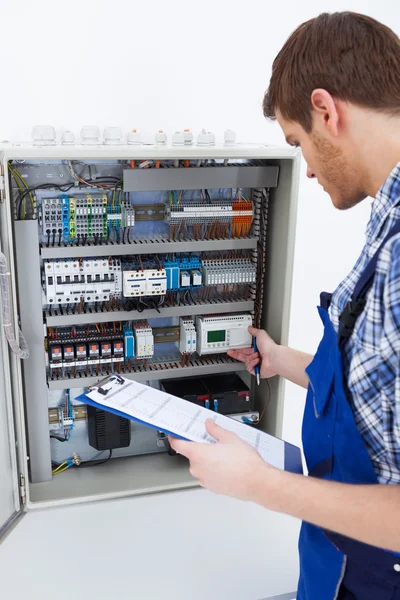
x: 145, y: 261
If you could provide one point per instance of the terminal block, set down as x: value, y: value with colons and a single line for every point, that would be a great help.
x: 52, y: 217
x: 197, y: 213
x: 128, y: 215
x: 239, y: 212
x: 223, y: 272
x: 84, y: 217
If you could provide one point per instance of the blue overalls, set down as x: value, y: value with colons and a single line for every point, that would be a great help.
x: 332, y: 565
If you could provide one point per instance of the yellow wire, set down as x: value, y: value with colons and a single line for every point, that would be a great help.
x: 60, y: 471
x: 59, y: 466
x: 18, y: 180
x: 21, y: 189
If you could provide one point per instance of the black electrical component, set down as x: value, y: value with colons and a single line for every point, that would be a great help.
x: 81, y: 351
x: 94, y: 352
x: 228, y: 394
x: 105, y: 348
x: 118, y: 349
x: 106, y: 430
x: 55, y: 354
x: 191, y: 389
x: 68, y: 353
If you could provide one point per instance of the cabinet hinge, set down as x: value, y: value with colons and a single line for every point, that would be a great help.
x: 22, y: 489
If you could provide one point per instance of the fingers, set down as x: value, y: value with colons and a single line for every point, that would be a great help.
x: 219, y: 433
x: 242, y: 355
x: 181, y: 446
x: 254, y: 331
x: 252, y: 364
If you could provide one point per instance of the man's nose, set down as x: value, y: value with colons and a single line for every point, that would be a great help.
x: 310, y: 173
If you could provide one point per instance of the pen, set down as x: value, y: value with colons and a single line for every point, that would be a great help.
x: 257, y: 367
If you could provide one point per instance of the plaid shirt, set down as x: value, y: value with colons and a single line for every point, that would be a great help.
x: 372, y: 354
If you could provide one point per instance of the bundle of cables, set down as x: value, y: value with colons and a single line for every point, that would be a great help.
x: 104, y: 183
x: 75, y: 461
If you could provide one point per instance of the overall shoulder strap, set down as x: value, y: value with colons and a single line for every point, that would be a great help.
x: 356, y: 305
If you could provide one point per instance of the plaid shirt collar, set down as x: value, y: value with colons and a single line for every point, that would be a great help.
x: 387, y: 197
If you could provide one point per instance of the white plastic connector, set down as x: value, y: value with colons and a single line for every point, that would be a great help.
x: 188, y: 137
x: 133, y: 137
x: 90, y: 135
x: 229, y: 137
x: 178, y: 138
x: 112, y: 136
x: 161, y: 138
x: 68, y: 138
x: 185, y: 279
x: 43, y: 135
x: 197, y: 278
x: 203, y: 139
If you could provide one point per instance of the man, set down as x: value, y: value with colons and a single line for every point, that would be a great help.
x: 335, y: 92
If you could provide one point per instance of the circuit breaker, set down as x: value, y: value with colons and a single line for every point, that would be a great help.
x: 145, y: 261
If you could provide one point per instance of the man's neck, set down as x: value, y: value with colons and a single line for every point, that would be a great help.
x: 378, y: 148
x: 380, y: 165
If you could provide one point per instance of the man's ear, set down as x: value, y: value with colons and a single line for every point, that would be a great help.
x: 325, y: 110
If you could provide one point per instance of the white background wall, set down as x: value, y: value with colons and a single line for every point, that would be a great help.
x: 172, y: 65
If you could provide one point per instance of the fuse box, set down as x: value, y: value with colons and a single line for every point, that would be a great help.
x: 146, y: 261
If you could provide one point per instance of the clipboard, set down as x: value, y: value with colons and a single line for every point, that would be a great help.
x: 182, y: 419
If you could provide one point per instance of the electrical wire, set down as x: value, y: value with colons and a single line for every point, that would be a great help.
x: 58, y: 467
x: 100, y: 182
x: 95, y: 462
x: 21, y: 183
x: 92, y: 182
x: 67, y: 464
x: 266, y: 404
x: 63, y: 188
x: 53, y: 436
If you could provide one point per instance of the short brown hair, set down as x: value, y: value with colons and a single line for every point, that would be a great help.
x: 352, y: 56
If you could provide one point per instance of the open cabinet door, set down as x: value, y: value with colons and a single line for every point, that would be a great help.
x: 10, y: 506
x: 10, y: 498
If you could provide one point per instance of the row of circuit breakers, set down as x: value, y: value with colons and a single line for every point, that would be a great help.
x: 99, y: 279
x: 91, y: 217
x: 84, y: 346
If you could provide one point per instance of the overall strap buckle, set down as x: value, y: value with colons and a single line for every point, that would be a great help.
x: 349, y: 316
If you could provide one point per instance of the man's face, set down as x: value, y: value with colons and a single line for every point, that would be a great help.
x: 331, y: 161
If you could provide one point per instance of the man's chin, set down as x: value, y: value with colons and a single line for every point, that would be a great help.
x: 344, y: 202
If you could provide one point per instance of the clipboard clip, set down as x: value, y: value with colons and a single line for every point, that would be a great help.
x: 110, y: 378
